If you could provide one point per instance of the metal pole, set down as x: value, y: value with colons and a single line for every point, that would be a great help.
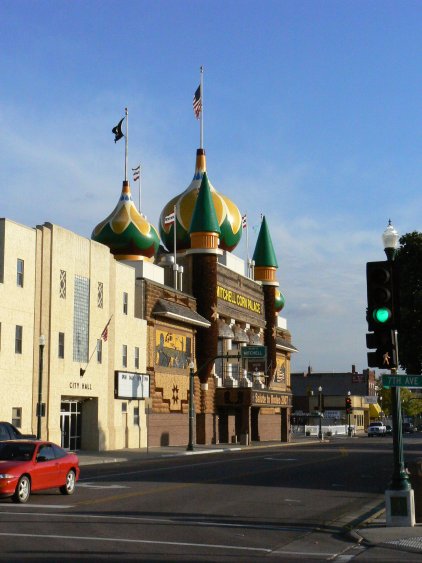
x: 320, y: 413
x: 190, y: 447
x: 400, y: 479
x: 40, y: 370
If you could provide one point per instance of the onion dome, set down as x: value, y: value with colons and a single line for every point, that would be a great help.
x: 127, y: 232
x: 279, y: 301
x: 204, y: 229
x: 264, y: 256
x: 228, y: 215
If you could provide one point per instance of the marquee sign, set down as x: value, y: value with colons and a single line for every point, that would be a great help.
x: 238, y: 299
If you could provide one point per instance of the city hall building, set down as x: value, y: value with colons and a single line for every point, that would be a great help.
x: 99, y: 337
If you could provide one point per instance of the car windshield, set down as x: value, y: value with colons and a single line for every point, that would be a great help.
x: 16, y: 452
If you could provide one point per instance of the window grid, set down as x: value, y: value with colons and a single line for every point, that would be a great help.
x: 136, y: 357
x: 125, y: 303
x: 17, y: 416
x: 99, y: 351
x: 136, y: 416
x: 61, y: 345
x: 81, y: 319
x: 18, y: 339
x: 19, y: 272
x: 124, y: 356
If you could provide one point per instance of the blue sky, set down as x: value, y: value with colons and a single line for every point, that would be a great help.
x: 312, y: 116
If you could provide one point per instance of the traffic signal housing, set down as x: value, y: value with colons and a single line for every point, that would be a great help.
x: 383, y: 295
x: 348, y: 405
x: 385, y: 354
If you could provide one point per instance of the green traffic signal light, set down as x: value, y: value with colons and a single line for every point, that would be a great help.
x: 381, y: 315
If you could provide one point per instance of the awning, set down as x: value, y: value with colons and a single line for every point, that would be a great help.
x: 178, y: 312
x: 374, y: 410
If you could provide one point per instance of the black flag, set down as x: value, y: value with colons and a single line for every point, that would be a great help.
x: 117, y: 131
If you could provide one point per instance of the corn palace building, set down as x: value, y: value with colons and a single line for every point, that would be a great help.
x: 99, y: 337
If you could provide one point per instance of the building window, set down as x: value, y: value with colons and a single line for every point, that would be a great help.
x: 61, y: 344
x: 124, y: 408
x: 125, y: 303
x: 81, y: 319
x: 17, y: 416
x: 18, y: 339
x: 136, y: 416
x: 62, y: 284
x: 136, y: 357
x: 100, y: 295
x: 99, y: 351
x: 124, y: 356
x: 19, y: 273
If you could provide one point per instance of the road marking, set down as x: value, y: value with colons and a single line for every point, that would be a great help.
x: 178, y: 520
x: 94, y: 486
x: 137, y: 541
x: 33, y: 505
x: 292, y: 500
x: 281, y: 459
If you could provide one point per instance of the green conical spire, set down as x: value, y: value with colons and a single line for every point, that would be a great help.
x: 264, y: 254
x: 204, y: 218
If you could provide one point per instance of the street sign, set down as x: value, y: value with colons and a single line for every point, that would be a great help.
x: 411, y: 381
x: 253, y: 351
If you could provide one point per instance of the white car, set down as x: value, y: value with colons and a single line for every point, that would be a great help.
x: 377, y: 429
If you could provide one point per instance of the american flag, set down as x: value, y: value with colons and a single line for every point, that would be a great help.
x: 197, y: 102
x: 169, y: 219
x: 244, y: 221
x: 136, y: 173
x: 104, y: 334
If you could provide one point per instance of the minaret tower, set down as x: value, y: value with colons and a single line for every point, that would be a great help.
x: 204, y: 234
x: 265, y: 272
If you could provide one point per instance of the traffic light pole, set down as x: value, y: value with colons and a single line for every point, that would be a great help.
x: 400, y: 479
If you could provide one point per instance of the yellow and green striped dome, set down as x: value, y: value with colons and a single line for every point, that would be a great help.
x: 228, y: 215
x: 127, y: 232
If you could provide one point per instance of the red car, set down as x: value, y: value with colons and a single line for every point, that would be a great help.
x: 28, y: 465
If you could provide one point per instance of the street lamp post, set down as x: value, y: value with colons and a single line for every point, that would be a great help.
x: 41, y: 344
x: 400, y: 479
x: 320, y: 412
x: 349, y: 428
x: 190, y: 447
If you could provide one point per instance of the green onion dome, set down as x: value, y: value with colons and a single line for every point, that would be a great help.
x: 279, y: 301
x: 228, y: 215
x: 127, y: 232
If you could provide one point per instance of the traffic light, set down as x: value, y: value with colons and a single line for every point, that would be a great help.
x: 348, y: 405
x: 383, y: 299
x: 385, y: 355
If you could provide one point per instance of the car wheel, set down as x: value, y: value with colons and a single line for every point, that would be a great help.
x: 23, y: 490
x: 69, y: 487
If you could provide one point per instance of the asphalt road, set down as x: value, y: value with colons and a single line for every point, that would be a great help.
x: 291, y: 503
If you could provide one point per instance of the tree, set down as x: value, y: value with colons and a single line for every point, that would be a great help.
x: 409, y: 259
x: 411, y: 406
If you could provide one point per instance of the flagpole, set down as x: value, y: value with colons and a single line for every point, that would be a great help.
x: 175, y: 263
x: 126, y: 143
x: 247, y: 247
x: 201, y: 122
x: 139, y: 187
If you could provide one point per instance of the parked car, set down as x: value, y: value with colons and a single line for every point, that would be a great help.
x: 388, y: 429
x: 408, y: 428
x: 35, y: 465
x: 10, y: 432
x: 376, y: 428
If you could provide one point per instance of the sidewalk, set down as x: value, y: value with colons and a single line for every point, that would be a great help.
x: 374, y: 532
x: 368, y: 528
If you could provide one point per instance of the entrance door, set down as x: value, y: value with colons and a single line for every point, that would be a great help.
x: 71, y: 424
